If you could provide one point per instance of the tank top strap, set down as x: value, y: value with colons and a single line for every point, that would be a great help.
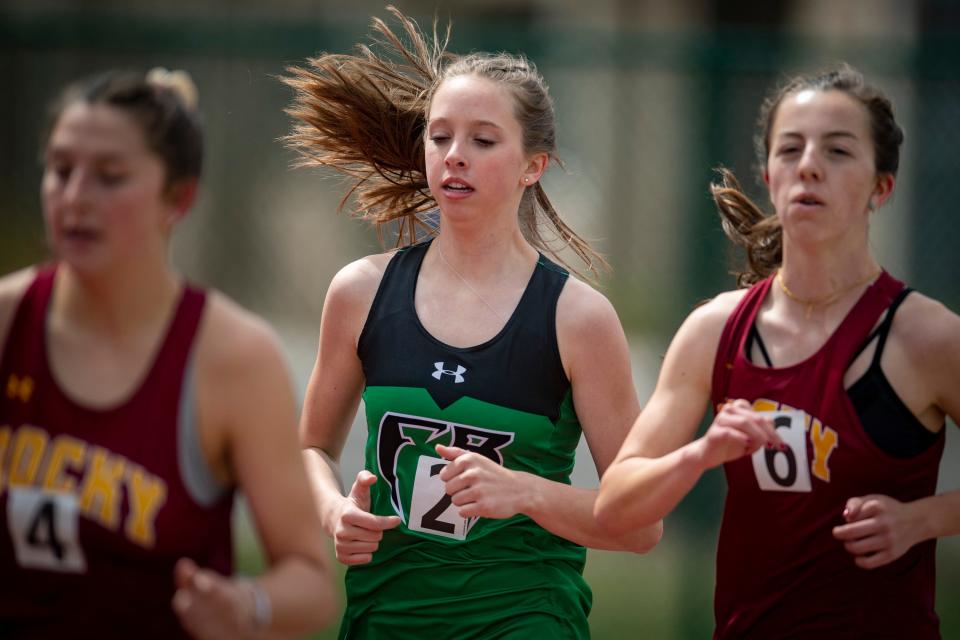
x: 24, y: 341
x: 397, y: 286
x: 538, y: 305
x: 859, y: 322
x: 174, y: 353
x: 734, y: 336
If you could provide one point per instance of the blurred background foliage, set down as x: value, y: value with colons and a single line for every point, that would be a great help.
x: 651, y: 96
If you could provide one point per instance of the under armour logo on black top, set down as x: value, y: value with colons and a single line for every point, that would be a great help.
x: 457, y: 375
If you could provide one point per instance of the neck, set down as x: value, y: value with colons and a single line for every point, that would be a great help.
x: 485, y: 252
x: 817, y: 282
x: 116, y: 304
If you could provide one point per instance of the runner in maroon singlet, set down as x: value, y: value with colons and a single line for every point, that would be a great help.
x: 831, y: 383
x: 132, y: 404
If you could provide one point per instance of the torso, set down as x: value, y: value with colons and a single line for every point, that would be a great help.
x: 98, y: 506
x: 778, y: 565
x: 507, y: 398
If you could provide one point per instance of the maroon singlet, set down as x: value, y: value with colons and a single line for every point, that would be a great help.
x: 94, y: 511
x: 780, y: 571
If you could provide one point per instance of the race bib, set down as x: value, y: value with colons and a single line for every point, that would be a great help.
x: 787, y: 470
x: 44, y: 528
x: 431, y: 509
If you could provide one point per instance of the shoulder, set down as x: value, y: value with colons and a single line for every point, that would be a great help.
x: 581, y: 308
x: 697, y: 339
x: 351, y: 294
x: 12, y: 288
x: 928, y: 330
x: 232, y: 337
x: 358, y: 281
x: 711, y: 316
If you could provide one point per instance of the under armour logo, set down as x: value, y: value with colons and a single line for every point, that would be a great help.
x: 19, y: 387
x: 457, y: 375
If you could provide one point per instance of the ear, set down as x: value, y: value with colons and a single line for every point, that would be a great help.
x: 883, y: 190
x: 536, y: 165
x: 181, y: 195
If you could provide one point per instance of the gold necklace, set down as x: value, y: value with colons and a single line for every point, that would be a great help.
x: 469, y: 286
x: 810, y: 303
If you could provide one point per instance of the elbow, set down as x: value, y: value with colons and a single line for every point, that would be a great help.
x: 648, y: 537
x: 609, y: 513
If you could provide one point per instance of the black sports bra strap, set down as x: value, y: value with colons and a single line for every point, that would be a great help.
x: 882, y: 330
x: 754, y: 337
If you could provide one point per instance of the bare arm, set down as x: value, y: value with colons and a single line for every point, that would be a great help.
x: 594, y: 352
x: 658, y: 464
x: 922, y: 362
x: 330, y: 405
x: 247, y: 412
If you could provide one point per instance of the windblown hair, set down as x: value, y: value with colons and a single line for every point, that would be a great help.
x: 365, y: 114
x: 161, y: 102
x: 744, y: 222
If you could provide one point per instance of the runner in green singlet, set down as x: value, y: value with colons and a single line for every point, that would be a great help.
x: 470, y: 351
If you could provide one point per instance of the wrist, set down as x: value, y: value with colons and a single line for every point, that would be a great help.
x: 259, y: 610
x: 693, y: 456
x: 330, y: 510
x: 528, y: 494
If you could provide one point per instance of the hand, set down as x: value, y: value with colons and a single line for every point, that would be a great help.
x: 737, y: 431
x: 879, y: 530
x: 357, y: 532
x: 480, y: 486
x: 211, y: 606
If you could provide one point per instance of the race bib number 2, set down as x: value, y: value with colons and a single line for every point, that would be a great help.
x: 431, y: 509
x: 787, y: 470
x: 43, y: 526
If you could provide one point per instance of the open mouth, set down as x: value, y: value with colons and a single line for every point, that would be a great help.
x: 455, y: 186
x: 81, y: 235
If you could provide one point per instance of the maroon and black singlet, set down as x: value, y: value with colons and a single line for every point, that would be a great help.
x: 96, y: 506
x: 780, y: 571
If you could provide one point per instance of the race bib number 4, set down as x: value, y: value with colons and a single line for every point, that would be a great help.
x: 431, y: 509
x: 787, y: 470
x: 43, y: 526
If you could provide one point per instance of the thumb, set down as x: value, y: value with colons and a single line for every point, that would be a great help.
x: 184, y: 572
x: 449, y: 453
x: 852, y: 510
x: 360, y: 491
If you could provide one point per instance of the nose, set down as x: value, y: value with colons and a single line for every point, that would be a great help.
x: 76, y: 187
x: 809, y: 166
x: 455, y: 156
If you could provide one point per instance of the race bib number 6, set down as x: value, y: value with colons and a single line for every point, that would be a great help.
x: 787, y: 470
x: 43, y: 526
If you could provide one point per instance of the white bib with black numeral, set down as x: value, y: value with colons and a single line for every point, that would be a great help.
x: 787, y: 470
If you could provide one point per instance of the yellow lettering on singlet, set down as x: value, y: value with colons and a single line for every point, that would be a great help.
x: 18, y: 387
x: 29, y: 445
x: 824, y: 440
x: 65, y: 450
x: 4, y: 442
x: 146, y: 494
x: 100, y: 494
x: 765, y: 405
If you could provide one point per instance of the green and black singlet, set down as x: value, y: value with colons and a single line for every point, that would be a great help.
x: 438, y: 575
